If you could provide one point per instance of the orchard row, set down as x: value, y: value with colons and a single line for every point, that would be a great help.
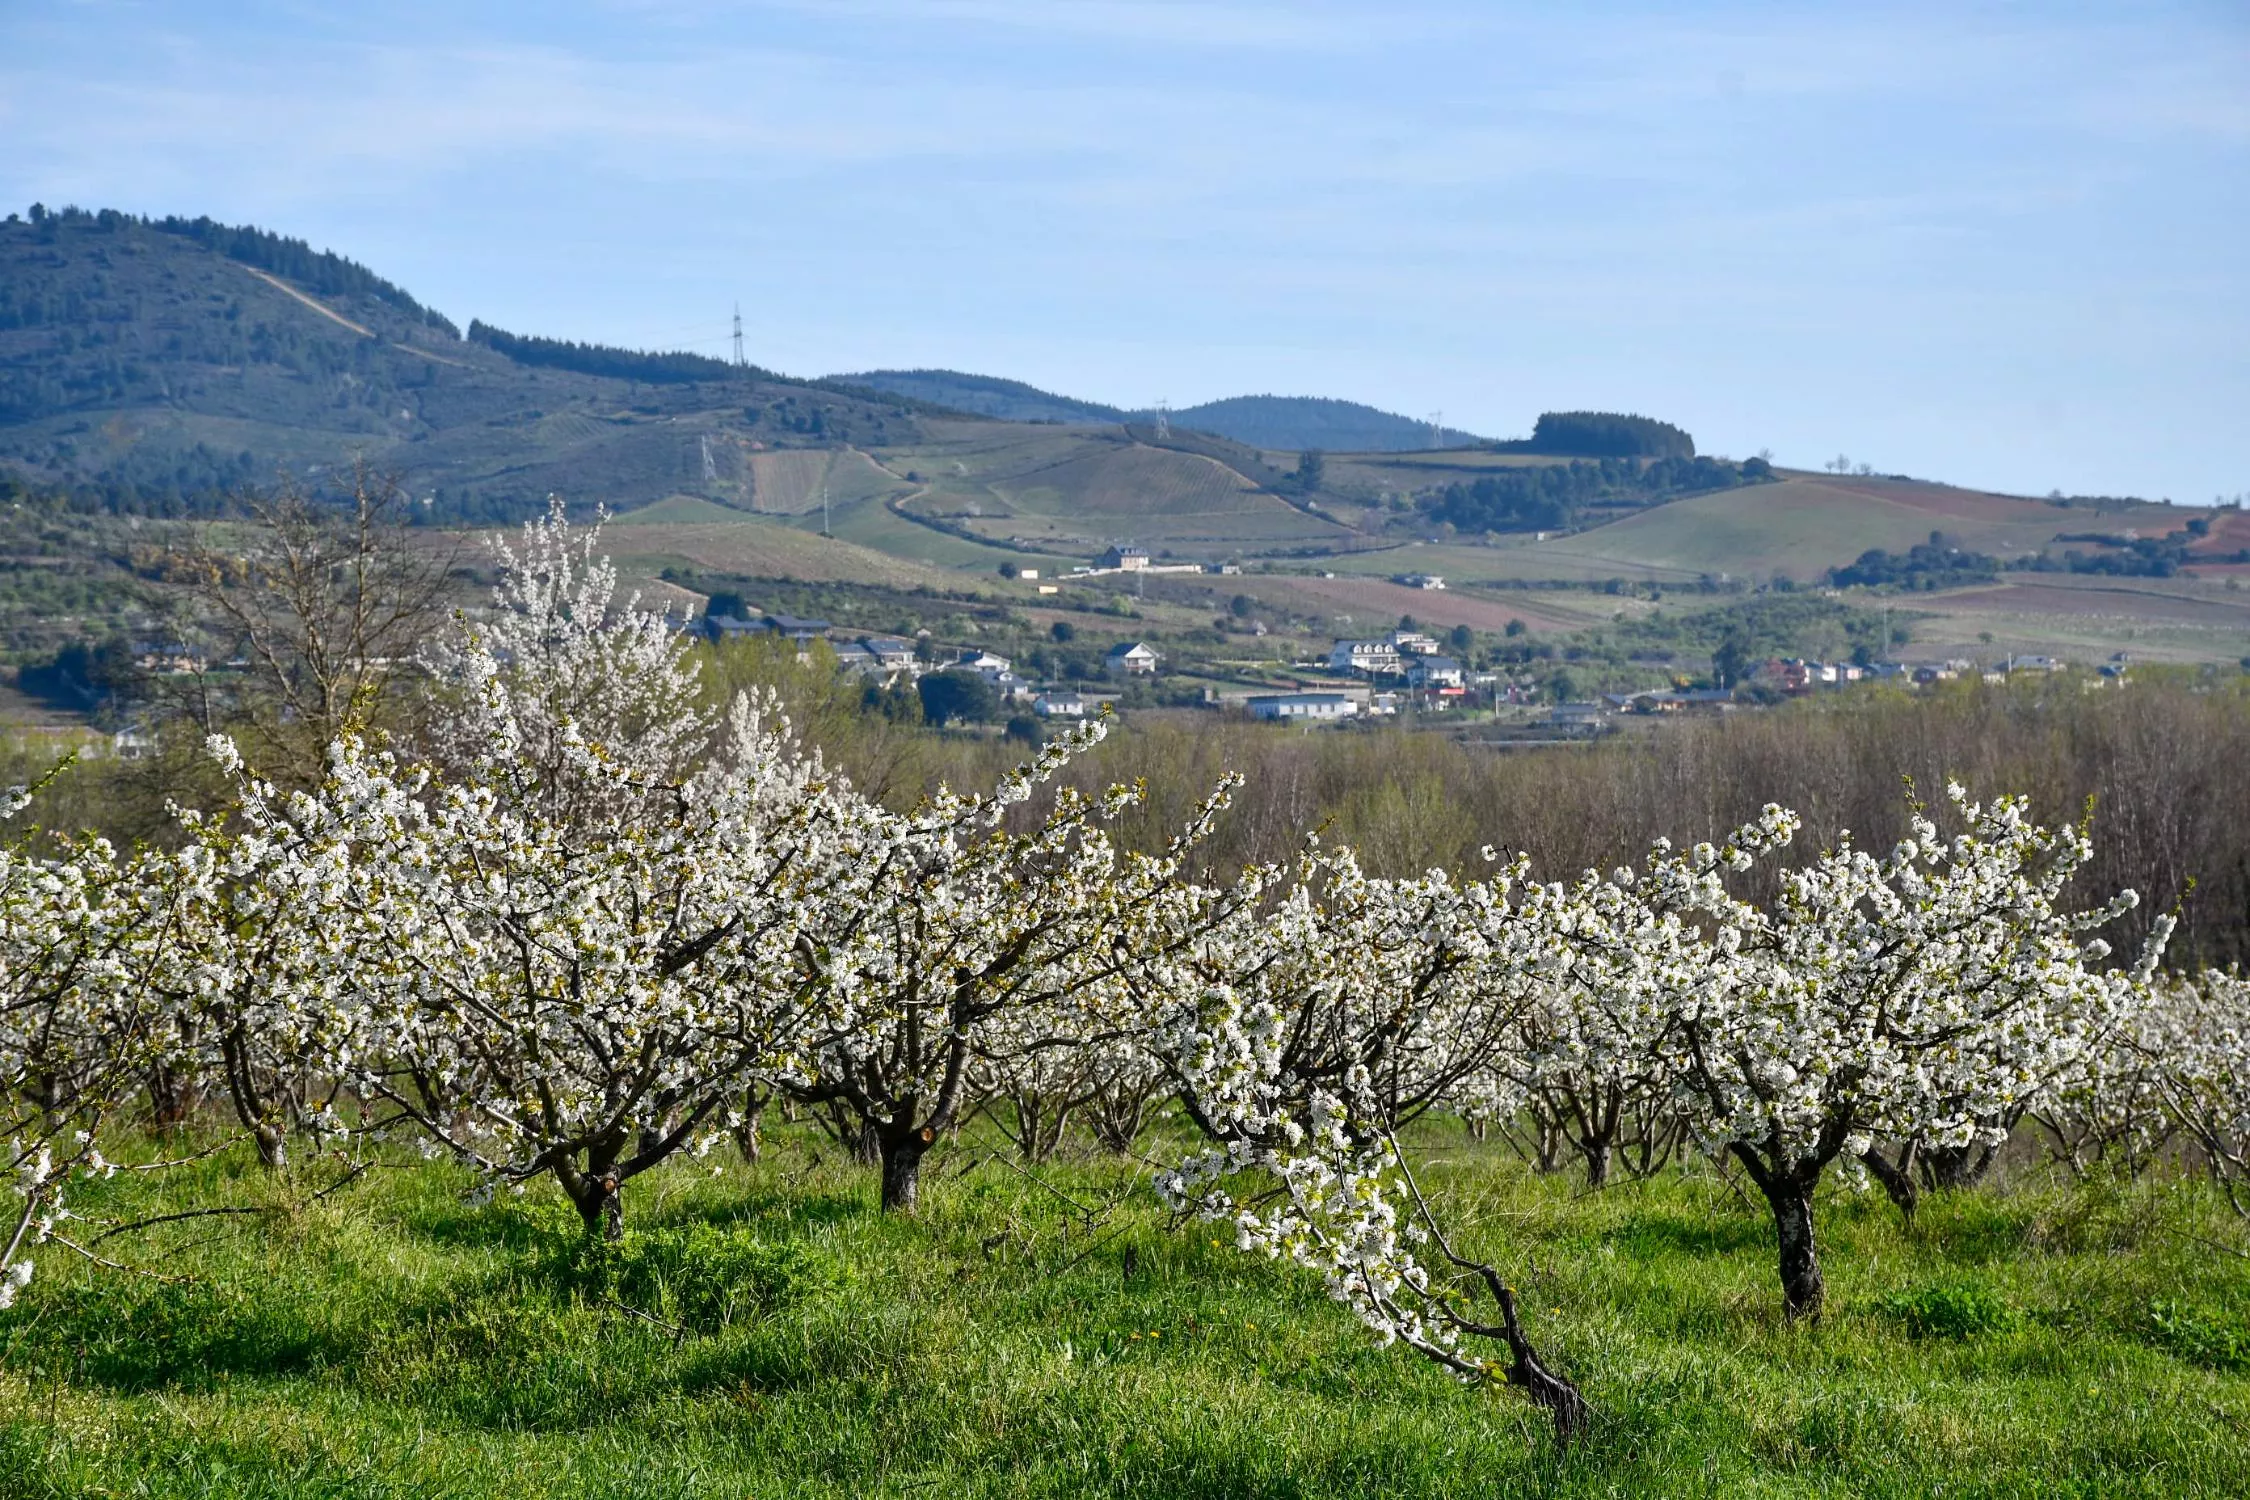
x: 586, y: 925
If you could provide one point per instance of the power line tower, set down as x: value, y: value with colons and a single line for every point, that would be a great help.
x: 1437, y: 429
x: 710, y: 464
x: 1163, y: 418
x: 739, y: 362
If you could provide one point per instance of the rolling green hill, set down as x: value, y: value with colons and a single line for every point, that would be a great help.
x: 1294, y: 423
x: 1802, y: 526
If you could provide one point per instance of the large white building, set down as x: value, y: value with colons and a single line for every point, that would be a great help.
x: 1370, y: 657
x: 1309, y: 707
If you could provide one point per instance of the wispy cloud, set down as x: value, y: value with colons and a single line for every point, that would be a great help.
x: 1428, y: 194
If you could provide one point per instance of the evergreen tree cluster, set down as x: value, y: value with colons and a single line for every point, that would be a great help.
x: 602, y: 359
x: 1552, y: 497
x: 1607, y: 434
x: 321, y: 272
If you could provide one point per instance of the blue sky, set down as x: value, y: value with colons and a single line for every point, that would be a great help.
x: 1999, y: 244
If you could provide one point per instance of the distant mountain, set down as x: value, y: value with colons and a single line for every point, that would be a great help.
x: 982, y: 395
x: 1288, y: 423
x: 1295, y: 423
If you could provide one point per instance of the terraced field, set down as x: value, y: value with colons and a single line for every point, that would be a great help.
x: 685, y: 532
x: 2087, y: 618
x: 1805, y: 525
x: 1373, y: 605
x: 792, y: 482
x: 1077, y: 490
x: 1129, y: 480
x: 1365, y: 475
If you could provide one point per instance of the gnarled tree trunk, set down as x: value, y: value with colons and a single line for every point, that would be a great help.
x: 599, y: 1198
x: 1802, y: 1290
x: 1897, y: 1178
x: 1788, y: 1189
x: 902, y: 1153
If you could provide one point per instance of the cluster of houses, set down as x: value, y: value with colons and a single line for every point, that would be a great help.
x: 1792, y: 675
x: 1406, y: 654
x: 1409, y: 659
x: 888, y: 658
x: 1796, y: 677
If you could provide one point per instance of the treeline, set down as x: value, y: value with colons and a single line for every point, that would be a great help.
x: 2130, y: 557
x: 2157, y: 762
x: 602, y: 359
x: 1603, y: 434
x: 1551, y: 497
x: 1755, y: 629
x: 1934, y: 564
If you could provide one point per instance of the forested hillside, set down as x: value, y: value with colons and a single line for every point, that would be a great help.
x: 983, y: 395
x: 156, y: 366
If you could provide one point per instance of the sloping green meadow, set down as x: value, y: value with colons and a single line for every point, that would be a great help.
x: 764, y: 1331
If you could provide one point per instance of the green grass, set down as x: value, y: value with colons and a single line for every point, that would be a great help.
x: 773, y: 547
x: 1795, y: 527
x: 392, y: 1340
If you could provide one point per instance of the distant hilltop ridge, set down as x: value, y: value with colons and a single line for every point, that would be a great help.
x: 1288, y: 423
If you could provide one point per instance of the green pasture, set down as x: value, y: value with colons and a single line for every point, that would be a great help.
x: 766, y: 547
x: 765, y: 1331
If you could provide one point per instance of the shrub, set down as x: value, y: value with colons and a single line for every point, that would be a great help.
x: 1949, y: 1310
x: 2200, y: 1337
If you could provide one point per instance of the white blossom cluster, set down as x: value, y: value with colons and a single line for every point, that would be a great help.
x: 2192, y: 1050
x: 85, y: 939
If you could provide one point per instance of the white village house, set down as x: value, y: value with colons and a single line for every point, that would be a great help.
x: 1060, y: 703
x: 891, y: 653
x: 1434, y: 672
x: 1370, y: 657
x: 1131, y: 659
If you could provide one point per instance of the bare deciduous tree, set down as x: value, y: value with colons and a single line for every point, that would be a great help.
x: 319, y: 603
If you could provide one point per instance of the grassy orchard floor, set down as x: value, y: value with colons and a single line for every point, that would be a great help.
x: 394, y: 1340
